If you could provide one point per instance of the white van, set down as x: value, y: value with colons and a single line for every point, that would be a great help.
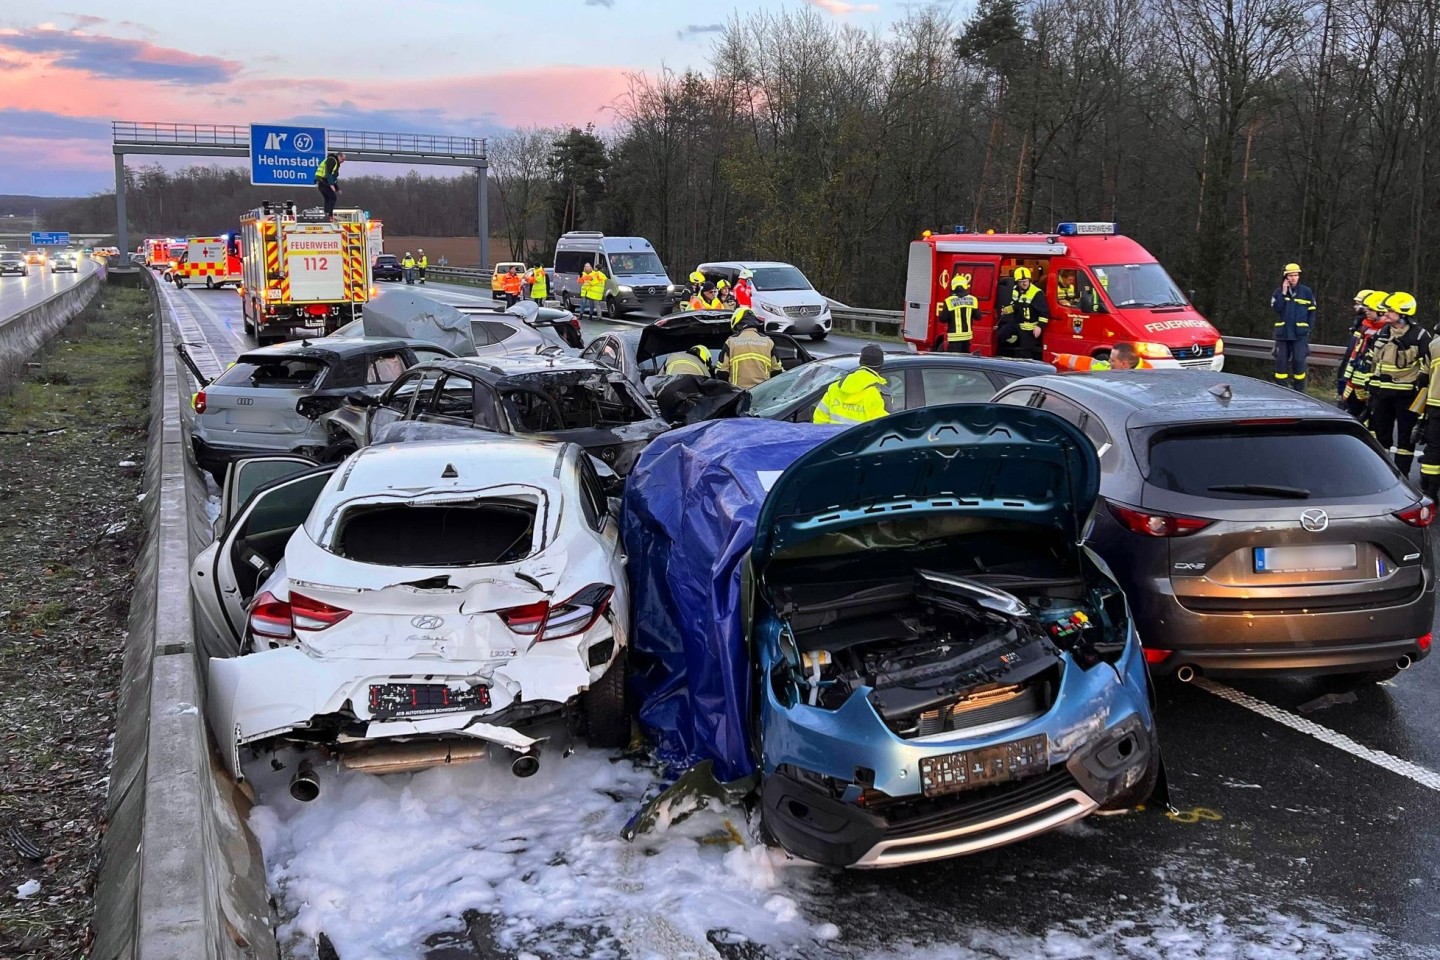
x: 637, y: 277
x: 784, y: 300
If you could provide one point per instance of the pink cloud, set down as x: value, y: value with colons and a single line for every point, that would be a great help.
x: 840, y: 8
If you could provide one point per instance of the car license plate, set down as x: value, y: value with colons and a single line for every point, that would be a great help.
x: 1311, y: 558
x: 968, y: 769
x: 389, y: 701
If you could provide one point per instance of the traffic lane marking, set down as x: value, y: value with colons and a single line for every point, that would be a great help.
x: 1415, y: 772
x: 224, y: 327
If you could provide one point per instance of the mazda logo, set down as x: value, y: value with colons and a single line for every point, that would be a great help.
x: 427, y: 622
x: 1314, y: 520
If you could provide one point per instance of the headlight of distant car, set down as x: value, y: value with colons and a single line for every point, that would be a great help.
x: 669, y: 288
x: 767, y: 307
x: 625, y: 290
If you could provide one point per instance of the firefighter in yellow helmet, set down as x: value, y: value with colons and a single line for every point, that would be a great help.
x: 961, y: 309
x: 749, y: 354
x: 1399, y: 369
x: 695, y: 361
x: 1352, y: 376
x: 855, y: 397
x: 1024, y: 318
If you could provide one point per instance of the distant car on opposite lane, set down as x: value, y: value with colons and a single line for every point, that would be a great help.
x: 35, y: 258
x: 1255, y: 530
x: 64, y: 261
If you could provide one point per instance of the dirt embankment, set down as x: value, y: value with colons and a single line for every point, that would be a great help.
x: 72, y: 446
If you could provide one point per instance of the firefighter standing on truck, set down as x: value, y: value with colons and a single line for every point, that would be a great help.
x: 1398, y: 365
x: 962, y: 309
x: 1023, y: 319
x: 749, y: 354
x: 1294, y: 306
x: 327, y: 178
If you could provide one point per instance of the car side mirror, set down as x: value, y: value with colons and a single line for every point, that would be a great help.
x: 360, y: 398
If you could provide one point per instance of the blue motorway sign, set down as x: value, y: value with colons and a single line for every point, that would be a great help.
x: 285, y: 156
x: 42, y: 239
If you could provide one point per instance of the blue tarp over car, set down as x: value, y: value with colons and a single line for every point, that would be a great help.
x: 688, y: 523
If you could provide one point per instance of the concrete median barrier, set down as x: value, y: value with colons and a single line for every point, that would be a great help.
x: 30, y: 329
x: 181, y: 875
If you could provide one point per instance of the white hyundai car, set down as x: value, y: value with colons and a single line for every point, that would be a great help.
x: 430, y: 599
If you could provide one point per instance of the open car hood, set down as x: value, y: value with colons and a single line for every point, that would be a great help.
x: 980, y: 460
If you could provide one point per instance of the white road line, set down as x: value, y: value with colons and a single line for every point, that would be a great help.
x: 1411, y: 771
x: 201, y: 350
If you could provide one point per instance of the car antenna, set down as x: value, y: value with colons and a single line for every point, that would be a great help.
x: 1221, y: 392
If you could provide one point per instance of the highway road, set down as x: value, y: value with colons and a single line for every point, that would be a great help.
x: 1306, y: 824
x: 18, y: 293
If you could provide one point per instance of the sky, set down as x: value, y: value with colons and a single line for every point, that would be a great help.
x: 460, y: 67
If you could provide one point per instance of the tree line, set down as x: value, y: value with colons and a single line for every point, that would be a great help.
x: 1229, y: 137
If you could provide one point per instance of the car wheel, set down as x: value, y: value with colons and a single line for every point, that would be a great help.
x: 337, y: 450
x: 607, y: 722
x: 179, y: 284
x: 819, y: 335
x: 565, y: 301
x: 611, y: 310
x: 249, y: 327
x: 209, y: 283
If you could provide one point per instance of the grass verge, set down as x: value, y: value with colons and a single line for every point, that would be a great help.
x: 72, y: 449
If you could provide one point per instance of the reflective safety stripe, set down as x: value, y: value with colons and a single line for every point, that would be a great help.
x: 1299, y: 376
x: 1302, y: 300
x: 1387, y: 385
x: 1282, y: 376
x: 1430, y: 469
x: 1403, y: 453
x: 837, y: 416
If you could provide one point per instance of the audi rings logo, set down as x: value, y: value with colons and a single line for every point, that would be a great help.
x: 245, y: 401
x: 427, y: 622
x: 1314, y: 520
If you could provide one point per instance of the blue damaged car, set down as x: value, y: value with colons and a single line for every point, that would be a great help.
x: 893, y: 631
x: 942, y: 665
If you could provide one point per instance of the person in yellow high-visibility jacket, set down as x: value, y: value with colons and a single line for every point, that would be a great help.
x: 855, y: 397
x: 421, y: 263
x: 539, y: 287
x: 592, y: 291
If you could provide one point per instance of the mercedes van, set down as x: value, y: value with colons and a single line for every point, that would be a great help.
x: 637, y: 280
x: 784, y: 300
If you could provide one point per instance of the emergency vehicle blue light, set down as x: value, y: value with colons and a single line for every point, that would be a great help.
x: 1072, y: 228
x: 959, y: 228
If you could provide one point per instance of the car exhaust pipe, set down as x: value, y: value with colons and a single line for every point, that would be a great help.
x: 305, y: 785
x: 1403, y: 662
x: 1185, y: 674
x: 525, y: 765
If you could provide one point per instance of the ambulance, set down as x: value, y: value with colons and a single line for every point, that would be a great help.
x: 302, y: 273
x: 1101, y: 288
x: 213, y: 261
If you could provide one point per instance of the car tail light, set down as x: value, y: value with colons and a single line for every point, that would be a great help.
x: 1420, y: 515
x: 270, y: 618
x: 1152, y: 523
x: 198, y: 402
x: 1157, y: 656
x: 309, y: 614
x: 1423, y: 641
x: 546, y: 621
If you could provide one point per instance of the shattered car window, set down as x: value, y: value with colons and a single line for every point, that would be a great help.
x: 284, y: 373
x: 477, y: 533
x: 570, y: 402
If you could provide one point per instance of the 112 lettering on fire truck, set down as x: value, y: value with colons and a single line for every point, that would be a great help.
x: 302, y: 273
x: 1101, y: 289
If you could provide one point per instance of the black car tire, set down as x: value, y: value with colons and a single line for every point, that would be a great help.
x: 179, y: 284
x: 565, y: 301
x: 337, y: 450
x: 612, y: 310
x: 607, y: 721
x: 209, y: 283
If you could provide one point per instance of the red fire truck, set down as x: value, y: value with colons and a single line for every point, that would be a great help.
x: 302, y: 273
x: 1102, y: 288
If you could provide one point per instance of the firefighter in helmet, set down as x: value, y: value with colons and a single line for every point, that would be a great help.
x: 961, y: 309
x: 749, y: 354
x: 1399, y: 369
x: 1024, y: 318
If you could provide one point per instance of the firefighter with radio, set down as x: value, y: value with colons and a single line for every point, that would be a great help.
x: 1294, y: 306
x: 1399, y: 365
x: 961, y: 308
x: 1353, y: 382
x: 1023, y: 319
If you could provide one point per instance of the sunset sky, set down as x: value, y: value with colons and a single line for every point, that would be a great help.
x: 468, y: 67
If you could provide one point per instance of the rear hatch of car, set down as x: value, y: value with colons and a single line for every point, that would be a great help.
x: 258, y: 394
x: 1283, y: 516
x: 446, y: 576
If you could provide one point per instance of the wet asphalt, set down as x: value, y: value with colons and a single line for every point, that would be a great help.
x: 1311, y: 831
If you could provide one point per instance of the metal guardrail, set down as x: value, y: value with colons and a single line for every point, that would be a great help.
x: 886, y: 323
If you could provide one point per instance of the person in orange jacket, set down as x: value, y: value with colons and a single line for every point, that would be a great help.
x: 510, y: 285
x: 1122, y: 357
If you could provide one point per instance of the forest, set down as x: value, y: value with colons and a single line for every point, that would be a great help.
x: 1227, y: 136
